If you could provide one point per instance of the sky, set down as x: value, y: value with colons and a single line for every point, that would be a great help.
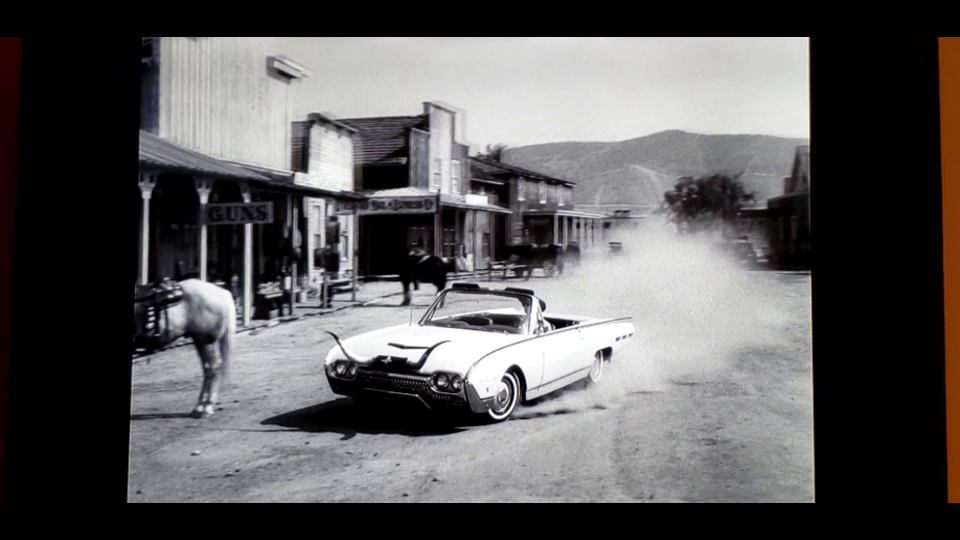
x: 520, y: 91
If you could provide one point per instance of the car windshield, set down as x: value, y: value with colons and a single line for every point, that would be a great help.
x: 482, y: 311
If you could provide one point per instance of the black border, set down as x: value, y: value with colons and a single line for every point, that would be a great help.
x: 878, y: 326
x: 70, y: 367
x: 877, y: 285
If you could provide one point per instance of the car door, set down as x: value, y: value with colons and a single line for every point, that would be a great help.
x: 562, y: 350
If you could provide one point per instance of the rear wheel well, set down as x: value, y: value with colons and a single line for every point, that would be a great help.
x: 607, y: 353
x: 523, y: 381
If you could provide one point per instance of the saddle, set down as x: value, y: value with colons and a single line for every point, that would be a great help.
x: 158, y: 298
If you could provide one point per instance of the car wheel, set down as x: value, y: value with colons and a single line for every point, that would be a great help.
x: 596, y: 369
x: 506, y: 399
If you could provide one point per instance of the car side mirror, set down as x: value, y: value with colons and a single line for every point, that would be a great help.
x: 543, y: 305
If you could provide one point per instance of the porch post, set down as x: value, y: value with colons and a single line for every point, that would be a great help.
x: 457, y: 236
x: 204, y: 187
x: 556, y: 229
x: 566, y: 231
x: 147, y: 182
x: 476, y: 240
x: 294, y: 234
x: 438, y: 231
x: 247, y: 260
x: 355, y: 245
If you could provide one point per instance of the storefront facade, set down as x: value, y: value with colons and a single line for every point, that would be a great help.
x: 542, y: 208
x: 392, y: 222
x: 212, y: 220
x: 415, y: 176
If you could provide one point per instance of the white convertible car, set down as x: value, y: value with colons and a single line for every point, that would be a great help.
x: 479, y: 349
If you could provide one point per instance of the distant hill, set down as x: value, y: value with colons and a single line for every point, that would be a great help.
x: 637, y: 172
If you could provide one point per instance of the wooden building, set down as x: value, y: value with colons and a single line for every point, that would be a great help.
x: 789, y: 215
x: 622, y: 225
x: 413, y: 174
x: 323, y: 153
x: 216, y: 130
x: 542, y: 208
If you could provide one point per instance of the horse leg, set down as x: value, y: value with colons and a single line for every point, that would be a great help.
x: 406, y: 294
x: 211, y: 363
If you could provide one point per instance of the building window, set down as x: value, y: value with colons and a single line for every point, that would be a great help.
x: 437, y: 164
x: 455, y: 176
x: 543, y: 192
x: 346, y: 248
x: 521, y: 190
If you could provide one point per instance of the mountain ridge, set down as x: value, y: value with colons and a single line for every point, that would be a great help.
x: 636, y: 172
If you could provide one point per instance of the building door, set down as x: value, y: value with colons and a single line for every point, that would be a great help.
x: 449, y: 242
x: 422, y: 235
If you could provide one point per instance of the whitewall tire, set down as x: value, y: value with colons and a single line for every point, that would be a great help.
x: 596, y: 369
x: 506, y: 399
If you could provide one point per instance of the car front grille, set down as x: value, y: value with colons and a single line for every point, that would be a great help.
x: 395, y: 384
x: 419, y: 387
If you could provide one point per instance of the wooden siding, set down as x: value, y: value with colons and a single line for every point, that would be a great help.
x: 330, y: 157
x: 149, y: 87
x: 298, y: 141
x: 419, y: 152
x: 219, y: 96
x: 441, y: 145
x: 462, y: 155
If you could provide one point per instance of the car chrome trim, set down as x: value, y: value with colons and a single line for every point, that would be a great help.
x: 414, y: 396
x: 418, y: 378
x: 477, y: 404
x: 556, y: 384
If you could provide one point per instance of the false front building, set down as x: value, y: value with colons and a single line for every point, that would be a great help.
x: 412, y: 172
x: 542, y: 207
x: 219, y: 197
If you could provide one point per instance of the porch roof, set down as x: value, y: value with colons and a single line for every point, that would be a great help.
x: 565, y: 213
x: 162, y: 155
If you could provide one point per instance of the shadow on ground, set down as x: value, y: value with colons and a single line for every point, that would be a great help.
x: 160, y: 416
x: 341, y: 416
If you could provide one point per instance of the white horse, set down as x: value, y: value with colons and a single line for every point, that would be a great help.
x: 166, y: 311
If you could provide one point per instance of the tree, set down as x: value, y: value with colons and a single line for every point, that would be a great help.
x: 494, y: 152
x: 705, y: 203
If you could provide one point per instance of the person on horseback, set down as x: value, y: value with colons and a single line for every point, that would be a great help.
x: 417, y: 250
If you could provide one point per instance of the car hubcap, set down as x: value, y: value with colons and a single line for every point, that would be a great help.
x: 502, y: 401
x: 597, y: 368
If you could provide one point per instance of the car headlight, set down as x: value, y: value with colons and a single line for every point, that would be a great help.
x: 343, y: 369
x: 446, y: 382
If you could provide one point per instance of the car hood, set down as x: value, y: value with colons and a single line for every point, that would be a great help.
x: 463, y: 347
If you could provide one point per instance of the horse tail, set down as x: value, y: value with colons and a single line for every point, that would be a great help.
x: 226, y: 342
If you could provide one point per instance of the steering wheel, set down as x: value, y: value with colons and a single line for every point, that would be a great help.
x: 475, y: 321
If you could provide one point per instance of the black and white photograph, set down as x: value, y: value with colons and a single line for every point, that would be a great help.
x: 472, y: 269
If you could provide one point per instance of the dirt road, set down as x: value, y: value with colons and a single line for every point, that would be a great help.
x: 713, y: 405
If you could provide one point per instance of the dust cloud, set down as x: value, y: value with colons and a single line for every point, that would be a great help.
x: 693, y: 308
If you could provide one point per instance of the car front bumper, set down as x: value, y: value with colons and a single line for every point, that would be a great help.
x: 391, y: 387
